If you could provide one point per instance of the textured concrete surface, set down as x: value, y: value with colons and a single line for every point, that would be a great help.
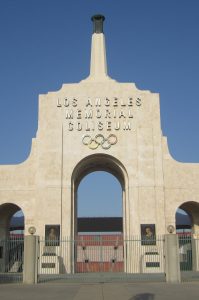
x: 99, y: 124
x: 106, y: 291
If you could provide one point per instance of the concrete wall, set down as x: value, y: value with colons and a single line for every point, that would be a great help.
x: 154, y: 184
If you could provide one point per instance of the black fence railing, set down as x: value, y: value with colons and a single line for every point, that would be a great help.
x: 11, y: 259
x: 101, y: 254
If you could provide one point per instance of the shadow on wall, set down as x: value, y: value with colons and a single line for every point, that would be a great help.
x: 145, y: 296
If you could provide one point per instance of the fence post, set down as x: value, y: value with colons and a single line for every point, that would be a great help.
x: 172, y: 258
x: 30, y: 259
x: 194, y: 248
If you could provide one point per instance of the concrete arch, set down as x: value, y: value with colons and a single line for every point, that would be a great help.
x: 7, y: 210
x: 99, y: 162
x: 192, y: 209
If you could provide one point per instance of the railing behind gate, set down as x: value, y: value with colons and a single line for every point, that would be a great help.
x: 145, y: 255
x: 100, y: 253
x: 11, y: 259
x: 91, y: 255
x: 185, y: 252
x: 189, y: 256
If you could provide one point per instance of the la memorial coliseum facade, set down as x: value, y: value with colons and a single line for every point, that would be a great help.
x: 99, y: 124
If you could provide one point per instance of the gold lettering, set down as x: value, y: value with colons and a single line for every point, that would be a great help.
x: 74, y: 102
x: 89, y: 102
x: 108, y: 126
x: 115, y: 101
x: 69, y: 114
x: 108, y: 114
x: 66, y: 102
x: 58, y: 103
x: 97, y: 102
x: 122, y: 114
x: 123, y: 103
x: 88, y: 114
x: 100, y: 126
x: 79, y: 126
x: 138, y: 102
x: 79, y: 114
x: 117, y: 126
x: 98, y: 114
x: 70, y: 126
x: 130, y: 101
x: 93, y: 126
x: 130, y: 114
x: 127, y: 126
x: 107, y: 102
x: 87, y: 127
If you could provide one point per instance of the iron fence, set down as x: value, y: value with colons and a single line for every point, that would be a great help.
x: 107, y: 256
x: 185, y: 252
x: 11, y: 259
x: 100, y: 257
x: 189, y: 256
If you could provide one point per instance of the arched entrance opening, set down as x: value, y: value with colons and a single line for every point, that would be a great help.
x: 99, y: 205
x: 187, y: 223
x: 99, y: 237
x: 11, y: 220
x: 187, y: 218
x: 11, y: 238
x: 17, y: 224
x: 183, y: 222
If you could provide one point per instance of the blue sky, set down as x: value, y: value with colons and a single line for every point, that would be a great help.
x: 44, y: 44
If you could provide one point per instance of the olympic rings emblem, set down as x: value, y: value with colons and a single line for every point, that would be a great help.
x: 99, y: 140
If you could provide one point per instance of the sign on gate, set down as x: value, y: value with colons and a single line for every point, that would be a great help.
x: 103, y: 257
x: 99, y: 253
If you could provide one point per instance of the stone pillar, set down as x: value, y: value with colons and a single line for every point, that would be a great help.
x: 172, y: 258
x: 30, y: 259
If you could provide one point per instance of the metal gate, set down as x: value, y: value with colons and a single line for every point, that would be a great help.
x: 185, y: 252
x: 189, y: 256
x: 99, y: 253
x: 11, y: 259
x: 101, y: 258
